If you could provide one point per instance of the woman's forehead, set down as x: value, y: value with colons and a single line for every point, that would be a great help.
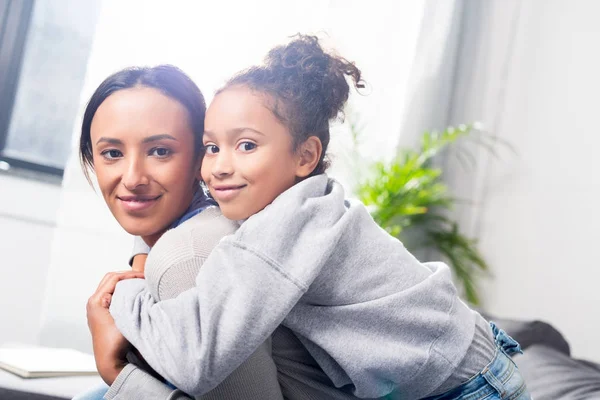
x: 140, y: 112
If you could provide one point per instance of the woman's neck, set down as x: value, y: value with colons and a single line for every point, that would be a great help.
x: 152, y: 239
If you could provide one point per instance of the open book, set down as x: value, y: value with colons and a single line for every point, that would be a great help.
x: 46, y: 362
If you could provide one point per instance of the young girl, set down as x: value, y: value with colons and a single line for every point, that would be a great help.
x: 377, y: 321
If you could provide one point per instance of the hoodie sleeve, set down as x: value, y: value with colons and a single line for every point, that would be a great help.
x: 198, y: 338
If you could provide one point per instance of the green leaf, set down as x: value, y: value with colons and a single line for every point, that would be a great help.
x: 408, y: 194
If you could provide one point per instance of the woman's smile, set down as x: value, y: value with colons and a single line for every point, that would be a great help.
x: 136, y: 204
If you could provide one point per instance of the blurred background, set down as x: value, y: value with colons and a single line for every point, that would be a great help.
x: 526, y: 71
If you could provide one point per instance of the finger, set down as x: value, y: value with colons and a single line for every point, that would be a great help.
x: 109, y: 285
x: 106, y: 299
x: 110, y: 276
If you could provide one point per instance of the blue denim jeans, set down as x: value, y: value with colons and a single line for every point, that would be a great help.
x: 499, y: 380
x: 97, y: 393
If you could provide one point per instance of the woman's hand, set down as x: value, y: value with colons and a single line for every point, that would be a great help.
x: 139, y: 262
x: 110, y: 347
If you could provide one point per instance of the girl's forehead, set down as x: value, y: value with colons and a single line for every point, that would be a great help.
x: 239, y: 102
x: 237, y: 109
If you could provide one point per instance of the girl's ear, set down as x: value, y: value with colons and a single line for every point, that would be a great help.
x: 309, y: 154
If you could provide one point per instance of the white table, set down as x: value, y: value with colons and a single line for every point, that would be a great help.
x: 60, y: 387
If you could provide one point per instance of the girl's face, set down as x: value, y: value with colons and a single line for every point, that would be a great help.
x: 143, y: 152
x: 249, y: 156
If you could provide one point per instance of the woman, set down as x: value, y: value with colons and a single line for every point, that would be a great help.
x: 141, y: 135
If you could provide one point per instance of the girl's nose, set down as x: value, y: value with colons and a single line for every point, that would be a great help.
x: 222, y: 165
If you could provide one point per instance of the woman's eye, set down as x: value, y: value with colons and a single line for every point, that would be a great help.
x: 211, y: 149
x: 247, y: 146
x: 160, y: 152
x: 111, y: 154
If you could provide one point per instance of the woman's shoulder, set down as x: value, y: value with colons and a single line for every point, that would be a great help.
x: 177, y: 256
x: 197, y: 236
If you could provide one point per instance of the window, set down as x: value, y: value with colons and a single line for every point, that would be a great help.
x: 44, y: 48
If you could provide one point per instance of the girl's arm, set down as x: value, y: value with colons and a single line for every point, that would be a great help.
x: 248, y: 285
x: 198, y: 338
x: 172, y: 267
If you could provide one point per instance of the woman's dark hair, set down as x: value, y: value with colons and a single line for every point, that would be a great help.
x: 168, y: 79
x: 307, y: 86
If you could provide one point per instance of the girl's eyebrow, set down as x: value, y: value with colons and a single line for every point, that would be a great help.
x: 236, y: 131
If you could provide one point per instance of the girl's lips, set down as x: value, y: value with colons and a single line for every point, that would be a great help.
x: 136, y: 204
x: 226, y: 193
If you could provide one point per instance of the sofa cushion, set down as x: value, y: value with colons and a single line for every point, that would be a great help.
x: 529, y: 333
x: 552, y: 375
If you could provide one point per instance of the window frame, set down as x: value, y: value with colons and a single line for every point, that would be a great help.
x: 15, y: 20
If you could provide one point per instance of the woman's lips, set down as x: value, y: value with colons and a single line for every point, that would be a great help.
x: 138, y: 203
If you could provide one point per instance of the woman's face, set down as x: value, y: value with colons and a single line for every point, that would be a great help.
x: 143, y: 152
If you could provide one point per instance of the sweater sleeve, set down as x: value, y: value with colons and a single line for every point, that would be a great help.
x: 133, y: 384
x: 139, y: 247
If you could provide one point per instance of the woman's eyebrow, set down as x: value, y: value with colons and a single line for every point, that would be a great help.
x: 109, y: 140
x: 154, y: 138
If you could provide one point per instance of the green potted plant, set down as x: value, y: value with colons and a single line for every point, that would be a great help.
x: 408, y: 198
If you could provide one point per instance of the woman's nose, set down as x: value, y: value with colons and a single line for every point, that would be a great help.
x: 135, y: 174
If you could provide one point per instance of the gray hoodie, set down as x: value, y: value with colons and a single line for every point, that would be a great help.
x: 375, y: 319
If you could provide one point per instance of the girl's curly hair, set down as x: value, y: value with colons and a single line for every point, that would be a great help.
x: 307, y: 86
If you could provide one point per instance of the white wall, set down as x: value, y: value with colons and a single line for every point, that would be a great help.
x: 27, y: 219
x: 211, y: 43
x: 531, y: 74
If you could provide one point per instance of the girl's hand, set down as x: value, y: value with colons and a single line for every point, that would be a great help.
x: 110, y: 347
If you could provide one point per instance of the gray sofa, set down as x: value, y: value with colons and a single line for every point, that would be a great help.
x: 546, y: 363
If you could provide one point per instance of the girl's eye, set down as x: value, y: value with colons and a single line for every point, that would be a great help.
x: 160, y: 152
x: 247, y: 146
x: 111, y: 154
x: 211, y: 149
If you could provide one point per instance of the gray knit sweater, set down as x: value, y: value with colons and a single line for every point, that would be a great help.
x: 375, y: 319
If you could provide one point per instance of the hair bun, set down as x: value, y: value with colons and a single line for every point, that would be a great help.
x: 311, y: 73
